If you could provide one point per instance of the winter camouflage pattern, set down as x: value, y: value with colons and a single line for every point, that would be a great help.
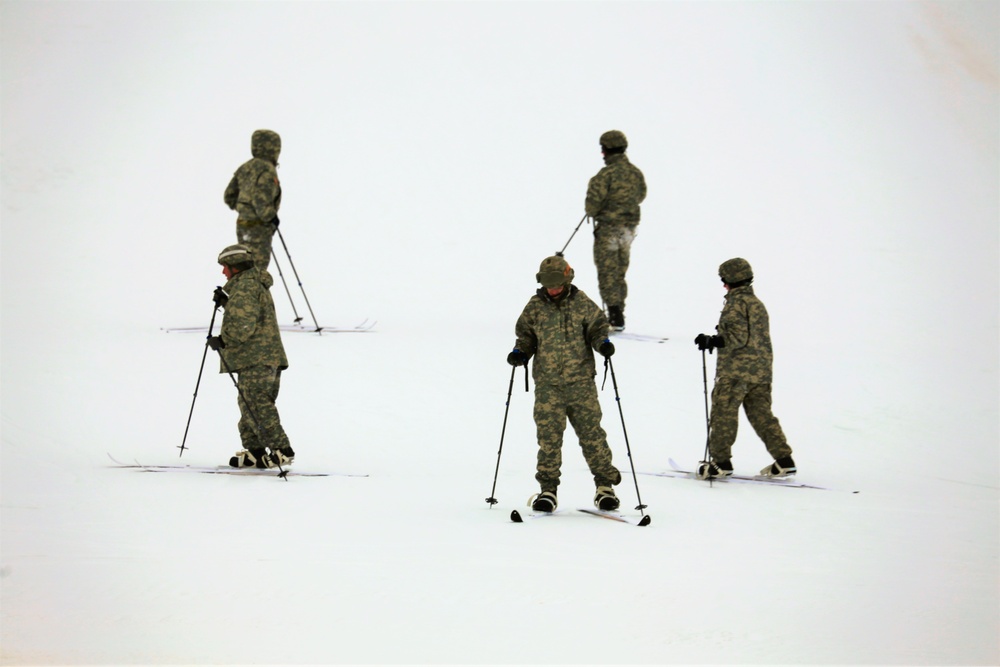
x: 612, y: 253
x: 257, y: 236
x: 613, y: 198
x: 727, y: 396
x: 260, y: 386
x: 745, y: 327
x: 250, y: 326
x: 254, y: 352
x: 578, y: 402
x: 743, y: 377
x: 255, y: 194
x: 561, y: 334
x: 614, y: 194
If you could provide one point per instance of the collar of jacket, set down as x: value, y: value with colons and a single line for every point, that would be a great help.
x: 736, y: 291
x: 565, y: 295
x: 615, y: 157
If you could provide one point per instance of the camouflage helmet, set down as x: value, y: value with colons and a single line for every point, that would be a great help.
x: 736, y: 270
x: 265, y: 144
x: 554, y: 272
x: 237, y: 255
x: 614, y: 139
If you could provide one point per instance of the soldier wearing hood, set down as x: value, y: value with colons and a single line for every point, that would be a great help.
x: 613, y: 198
x: 249, y: 345
x: 255, y: 194
x: 742, y: 377
x: 560, y: 328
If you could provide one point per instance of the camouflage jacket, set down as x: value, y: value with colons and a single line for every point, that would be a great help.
x: 614, y: 194
x: 745, y: 327
x: 561, y: 335
x: 250, y: 326
x: 254, y: 191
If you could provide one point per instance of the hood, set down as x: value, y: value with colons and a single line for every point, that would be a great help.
x: 266, y: 145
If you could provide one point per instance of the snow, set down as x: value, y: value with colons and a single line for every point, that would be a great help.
x: 433, y: 154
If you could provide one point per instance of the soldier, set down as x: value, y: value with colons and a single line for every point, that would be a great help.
x: 255, y: 194
x: 249, y: 345
x: 561, y: 327
x: 742, y: 377
x: 613, y: 198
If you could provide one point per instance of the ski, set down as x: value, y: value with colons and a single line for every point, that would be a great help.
x: 626, y: 335
x: 614, y: 516
x: 680, y: 473
x: 225, y: 470
x: 367, y: 326
x: 516, y: 517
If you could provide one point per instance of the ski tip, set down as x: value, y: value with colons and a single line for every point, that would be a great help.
x: 645, y: 520
x: 515, y: 516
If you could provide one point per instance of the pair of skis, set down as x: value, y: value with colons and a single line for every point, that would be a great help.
x: 367, y: 326
x: 225, y: 470
x: 516, y: 517
x: 678, y: 472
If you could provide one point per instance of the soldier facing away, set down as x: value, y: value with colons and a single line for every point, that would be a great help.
x: 742, y: 377
x: 249, y: 345
x: 613, y: 198
x: 255, y: 194
x: 561, y: 328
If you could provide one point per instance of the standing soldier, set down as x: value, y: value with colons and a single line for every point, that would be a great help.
x: 613, y: 198
x: 249, y: 345
x: 742, y: 377
x: 255, y: 194
x: 561, y: 327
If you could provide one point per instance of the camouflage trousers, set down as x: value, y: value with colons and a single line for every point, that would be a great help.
x: 727, y: 397
x: 578, y: 402
x: 612, y: 251
x: 260, y: 386
x: 256, y: 236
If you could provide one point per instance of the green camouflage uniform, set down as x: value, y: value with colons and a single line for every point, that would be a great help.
x: 743, y: 377
x: 562, y: 334
x: 255, y: 194
x: 254, y: 352
x: 613, y: 198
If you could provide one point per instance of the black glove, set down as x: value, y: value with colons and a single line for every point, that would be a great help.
x: 706, y: 342
x: 607, y: 348
x: 216, y: 343
x: 220, y: 297
x: 517, y: 358
x: 276, y: 221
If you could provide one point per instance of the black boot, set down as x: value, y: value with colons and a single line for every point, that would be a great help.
x: 616, y: 318
x: 714, y: 469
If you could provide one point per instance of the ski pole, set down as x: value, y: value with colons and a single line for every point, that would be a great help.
x: 260, y: 428
x: 560, y: 253
x: 197, y: 384
x: 614, y: 382
x: 510, y: 390
x: 285, y: 246
x: 708, y: 419
x: 290, y: 299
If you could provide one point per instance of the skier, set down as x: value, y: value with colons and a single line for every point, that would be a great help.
x: 742, y: 377
x: 249, y: 345
x: 255, y: 194
x: 613, y: 198
x: 561, y: 327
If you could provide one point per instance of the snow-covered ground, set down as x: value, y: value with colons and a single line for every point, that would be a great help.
x: 433, y: 154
